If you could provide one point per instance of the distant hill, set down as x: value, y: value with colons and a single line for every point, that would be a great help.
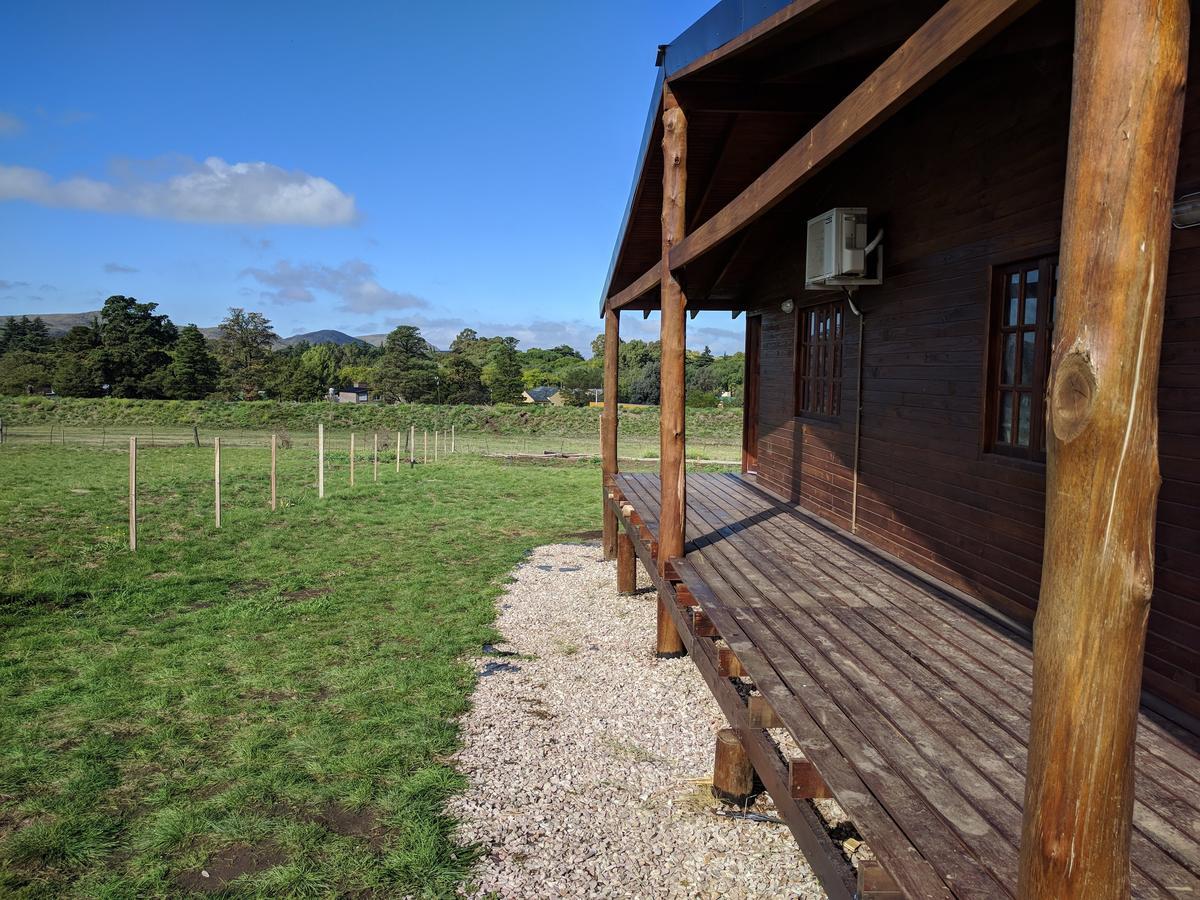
x: 324, y: 336
x: 59, y: 324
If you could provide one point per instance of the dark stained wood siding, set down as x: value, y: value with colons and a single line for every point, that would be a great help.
x: 969, y: 177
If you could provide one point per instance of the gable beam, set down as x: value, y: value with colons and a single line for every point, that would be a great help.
x: 952, y: 33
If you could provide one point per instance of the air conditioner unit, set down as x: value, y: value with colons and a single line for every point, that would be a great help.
x: 837, y: 250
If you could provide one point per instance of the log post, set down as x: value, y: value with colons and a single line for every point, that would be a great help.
x: 672, y: 386
x: 608, y: 430
x: 626, y: 564
x: 274, y: 446
x: 397, y: 451
x: 733, y: 774
x: 1102, y: 447
x: 375, y: 472
x: 352, y: 459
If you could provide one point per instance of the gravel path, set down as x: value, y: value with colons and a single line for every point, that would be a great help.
x: 589, y: 760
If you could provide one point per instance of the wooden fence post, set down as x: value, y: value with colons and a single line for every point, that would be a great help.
x: 375, y: 475
x: 452, y: 435
x: 426, y: 442
x: 352, y: 459
x: 320, y: 461
x: 397, y: 451
x: 133, y: 494
x: 217, y: 477
x: 1102, y: 471
x: 274, y: 444
x: 412, y: 444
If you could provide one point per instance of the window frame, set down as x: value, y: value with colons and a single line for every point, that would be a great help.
x: 1046, y: 265
x: 826, y: 383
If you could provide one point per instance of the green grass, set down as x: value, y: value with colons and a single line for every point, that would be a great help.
x: 284, y: 689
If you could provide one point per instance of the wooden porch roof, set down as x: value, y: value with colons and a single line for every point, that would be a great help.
x: 911, y: 703
x: 749, y: 104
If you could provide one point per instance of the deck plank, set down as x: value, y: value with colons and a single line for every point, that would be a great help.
x: 1167, y: 764
x: 930, y: 703
x: 912, y: 705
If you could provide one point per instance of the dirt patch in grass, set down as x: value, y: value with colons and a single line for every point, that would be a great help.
x: 306, y: 594
x: 355, y: 823
x: 250, y: 586
x: 233, y: 862
x: 350, y: 823
x: 587, y: 535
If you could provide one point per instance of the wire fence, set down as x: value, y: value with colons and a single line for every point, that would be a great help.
x: 415, y: 444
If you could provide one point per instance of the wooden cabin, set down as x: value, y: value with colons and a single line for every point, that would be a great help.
x: 947, y: 568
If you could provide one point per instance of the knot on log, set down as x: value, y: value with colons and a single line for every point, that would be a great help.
x: 1072, y: 396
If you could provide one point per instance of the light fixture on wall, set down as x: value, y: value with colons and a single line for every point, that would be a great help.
x: 1185, y: 212
x: 787, y: 306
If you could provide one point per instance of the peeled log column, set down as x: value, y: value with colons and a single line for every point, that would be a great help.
x: 608, y: 427
x: 1102, y: 471
x: 673, y: 333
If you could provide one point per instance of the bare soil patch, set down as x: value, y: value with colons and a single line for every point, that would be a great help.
x: 231, y: 863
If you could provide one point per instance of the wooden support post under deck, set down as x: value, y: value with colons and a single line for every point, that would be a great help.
x: 672, y: 385
x: 626, y: 564
x: 1102, y: 447
x: 608, y: 429
x: 733, y: 774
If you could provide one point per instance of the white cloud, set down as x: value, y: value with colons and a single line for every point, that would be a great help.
x: 10, y: 125
x: 113, y: 267
x: 353, y: 283
x: 253, y: 193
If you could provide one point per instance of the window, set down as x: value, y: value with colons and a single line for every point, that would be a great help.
x: 1022, y: 323
x: 819, y: 359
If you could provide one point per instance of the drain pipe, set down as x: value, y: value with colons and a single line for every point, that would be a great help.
x: 857, y: 412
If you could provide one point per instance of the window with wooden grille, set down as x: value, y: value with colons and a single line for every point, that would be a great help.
x: 1019, y: 361
x: 819, y: 359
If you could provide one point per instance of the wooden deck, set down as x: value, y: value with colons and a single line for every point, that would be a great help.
x: 912, y: 705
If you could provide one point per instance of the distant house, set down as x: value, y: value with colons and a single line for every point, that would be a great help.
x: 354, y: 394
x: 544, y: 395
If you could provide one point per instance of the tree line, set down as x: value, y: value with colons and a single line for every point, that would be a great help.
x: 130, y: 350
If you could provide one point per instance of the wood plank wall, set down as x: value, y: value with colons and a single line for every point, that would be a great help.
x: 972, y: 176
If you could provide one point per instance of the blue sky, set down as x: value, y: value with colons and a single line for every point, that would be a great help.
x: 336, y: 165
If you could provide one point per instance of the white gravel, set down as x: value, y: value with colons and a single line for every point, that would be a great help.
x: 589, y: 760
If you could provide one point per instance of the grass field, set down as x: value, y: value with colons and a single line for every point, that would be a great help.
x: 274, y: 700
